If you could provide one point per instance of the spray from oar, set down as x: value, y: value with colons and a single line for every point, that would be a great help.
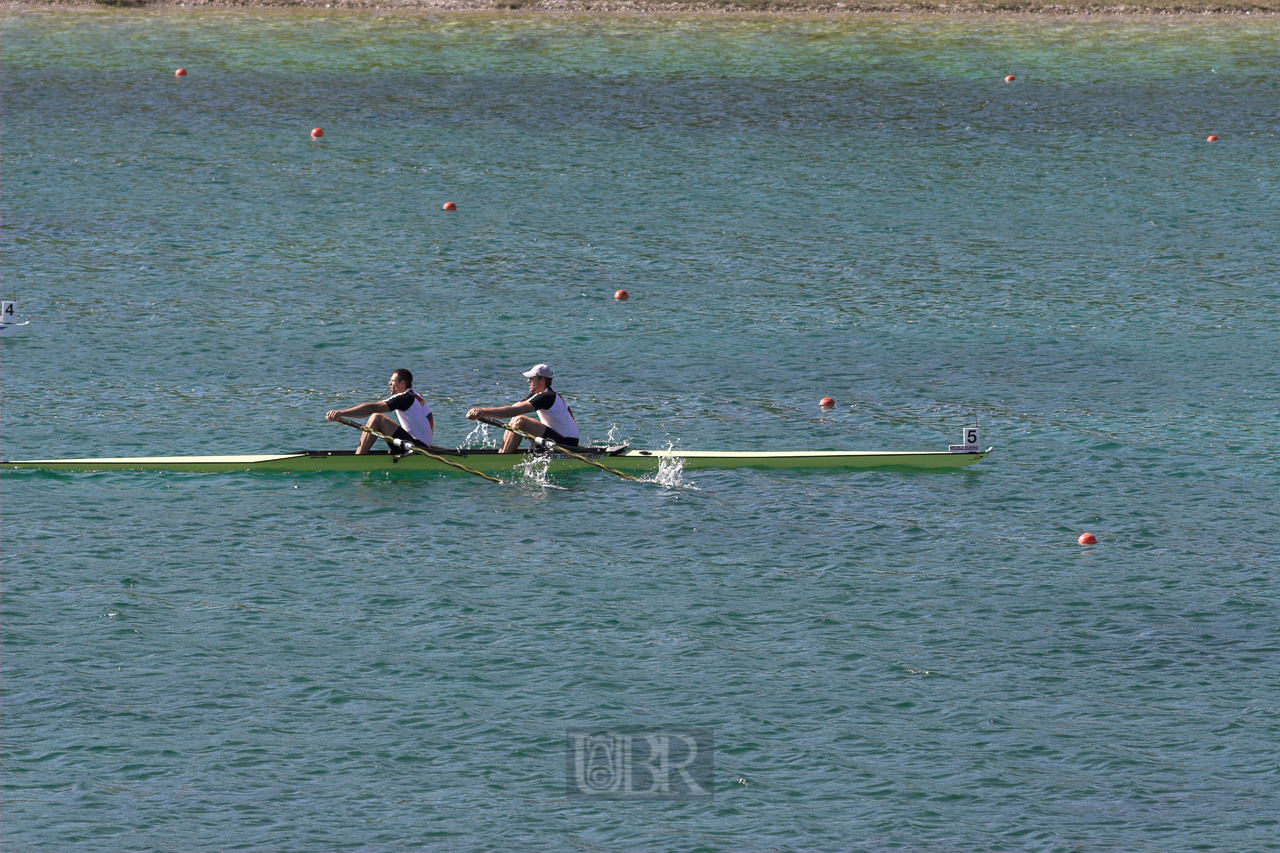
x: 539, y: 441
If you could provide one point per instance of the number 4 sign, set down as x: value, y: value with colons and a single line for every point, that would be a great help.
x: 8, y: 322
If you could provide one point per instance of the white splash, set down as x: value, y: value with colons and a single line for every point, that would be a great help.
x: 670, y: 473
x: 614, y: 437
x: 479, y: 437
x: 535, y: 470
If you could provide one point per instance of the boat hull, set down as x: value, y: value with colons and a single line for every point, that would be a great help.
x: 490, y: 462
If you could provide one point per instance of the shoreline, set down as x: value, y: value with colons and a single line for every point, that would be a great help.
x: 727, y: 8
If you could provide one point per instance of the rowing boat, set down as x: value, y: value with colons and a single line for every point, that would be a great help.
x: 492, y: 462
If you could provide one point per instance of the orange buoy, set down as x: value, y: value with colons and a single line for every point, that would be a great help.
x: 181, y: 72
x: 827, y: 402
x: 1087, y: 539
x: 1212, y: 138
x: 448, y: 205
x: 622, y: 296
x: 1009, y: 78
x: 316, y: 133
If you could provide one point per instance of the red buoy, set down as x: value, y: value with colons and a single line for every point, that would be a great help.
x: 316, y: 133
x: 1009, y: 78
x: 622, y: 296
x: 1212, y: 138
x: 181, y: 72
x: 1087, y: 539
x: 827, y: 402
x: 448, y: 205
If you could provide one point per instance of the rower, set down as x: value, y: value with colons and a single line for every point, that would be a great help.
x: 555, y: 419
x: 417, y: 424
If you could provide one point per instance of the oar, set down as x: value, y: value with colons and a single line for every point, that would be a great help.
x: 413, y: 448
x: 559, y: 448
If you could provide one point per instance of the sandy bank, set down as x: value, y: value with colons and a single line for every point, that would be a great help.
x: 725, y: 7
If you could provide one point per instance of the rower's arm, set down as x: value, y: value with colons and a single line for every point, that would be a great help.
x: 360, y: 410
x: 524, y: 407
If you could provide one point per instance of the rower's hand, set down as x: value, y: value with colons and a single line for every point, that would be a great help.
x: 475, y: 414
x: 332, y: 415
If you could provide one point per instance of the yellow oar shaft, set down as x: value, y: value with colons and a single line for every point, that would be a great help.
x: 415, y: 449
x: 558, y: 448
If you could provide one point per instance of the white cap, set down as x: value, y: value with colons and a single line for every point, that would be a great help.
x: 538, y: 370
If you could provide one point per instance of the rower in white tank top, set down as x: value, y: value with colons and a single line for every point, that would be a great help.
x: 417, y: 424
x: 555, y: 414
x: 555, y: 419
x: 413, y: 413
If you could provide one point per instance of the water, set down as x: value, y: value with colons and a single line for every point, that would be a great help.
x: 856, y: 208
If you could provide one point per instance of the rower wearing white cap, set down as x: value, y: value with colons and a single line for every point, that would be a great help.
x: 555, y: 418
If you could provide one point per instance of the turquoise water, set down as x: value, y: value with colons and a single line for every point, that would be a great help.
x: 857, y: 208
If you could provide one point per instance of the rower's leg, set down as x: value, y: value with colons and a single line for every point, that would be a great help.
x: 510, y: 441
x: 533, y: 426
x: 367, y: 439
x: 382, y: 424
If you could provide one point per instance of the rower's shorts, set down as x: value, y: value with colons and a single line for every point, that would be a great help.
x: 551, y: 435
x: 403, y: 434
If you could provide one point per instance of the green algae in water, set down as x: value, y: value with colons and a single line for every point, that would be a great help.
x: 902, y: 48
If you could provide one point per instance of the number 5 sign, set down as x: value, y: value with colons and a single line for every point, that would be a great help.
x: 970, y: 441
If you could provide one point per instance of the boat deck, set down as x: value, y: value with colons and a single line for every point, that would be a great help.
x: 491, y: 461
